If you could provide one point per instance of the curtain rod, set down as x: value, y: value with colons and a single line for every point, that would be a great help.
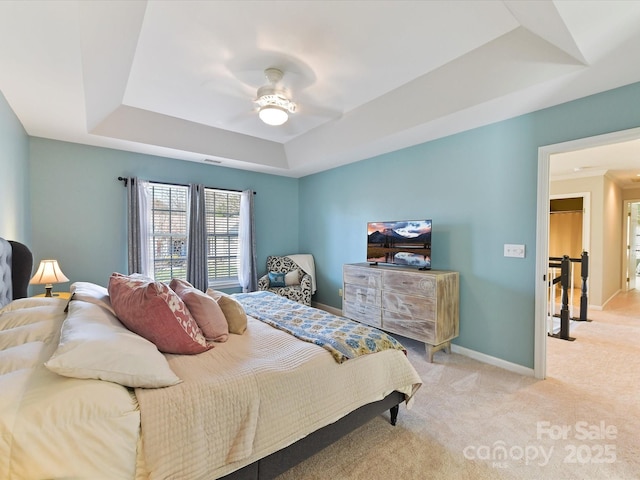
x: 126, y: 180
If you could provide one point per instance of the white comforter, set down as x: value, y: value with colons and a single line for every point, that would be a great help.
x: 254, y: 395
x: 53, y: 426
x: 239, y: 402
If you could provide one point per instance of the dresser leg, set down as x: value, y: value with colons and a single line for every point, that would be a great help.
x: 430, y: 352
x: 431, y: 349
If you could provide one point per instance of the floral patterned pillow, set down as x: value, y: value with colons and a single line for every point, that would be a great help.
x: 154, y: 311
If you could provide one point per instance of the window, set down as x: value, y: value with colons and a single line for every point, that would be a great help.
x: 169, y: 232
x: 168, y: 235
x: 222, y: 211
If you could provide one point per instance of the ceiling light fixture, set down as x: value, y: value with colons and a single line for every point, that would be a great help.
x: 273, y: 103
x: 273, y: 113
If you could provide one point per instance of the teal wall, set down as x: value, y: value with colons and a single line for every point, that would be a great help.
x: 79, y: 206
x: 14, y: 176
x: 480, y: 189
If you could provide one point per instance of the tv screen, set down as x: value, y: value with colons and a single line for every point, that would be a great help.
x: 406, y: 242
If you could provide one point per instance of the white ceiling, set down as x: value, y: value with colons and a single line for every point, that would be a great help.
x: 178, y: 78
x: 619, y: 161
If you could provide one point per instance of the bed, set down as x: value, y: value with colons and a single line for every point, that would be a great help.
x: 85, y: 397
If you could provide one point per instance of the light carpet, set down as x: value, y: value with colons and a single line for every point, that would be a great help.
x: 474, y: 421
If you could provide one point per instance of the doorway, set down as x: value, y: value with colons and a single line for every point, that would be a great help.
x: 568, y: 235
x: 632, y: 251
x: 542, y: 232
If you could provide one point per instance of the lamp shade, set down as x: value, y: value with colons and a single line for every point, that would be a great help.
x: 273, y: 115
x: 48, y: 273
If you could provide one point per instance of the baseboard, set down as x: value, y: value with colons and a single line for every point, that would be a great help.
x: 609, y: 299
x: 481, y: 357
x: 327, y: 308
x: 496, y: 362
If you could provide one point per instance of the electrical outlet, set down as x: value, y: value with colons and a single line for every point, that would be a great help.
x: 511, y: 250
x: 339, y: 292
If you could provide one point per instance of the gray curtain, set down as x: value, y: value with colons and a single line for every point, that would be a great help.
x: 138, y: 226
x: 197, y: 239
x: 247, y: 264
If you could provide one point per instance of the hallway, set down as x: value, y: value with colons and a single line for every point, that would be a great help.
x: 606, y: 350
x: 625, y: 303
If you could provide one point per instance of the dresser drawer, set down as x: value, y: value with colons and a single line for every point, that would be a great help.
x: 362, y: 313
x: 359, y: 294
x: 367, y: 277
x: 419, y: 307
x: 417, y: 304
x: 413, y: 284
x: 409, y: 326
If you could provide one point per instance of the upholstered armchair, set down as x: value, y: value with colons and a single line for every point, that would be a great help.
x: 289, y: 279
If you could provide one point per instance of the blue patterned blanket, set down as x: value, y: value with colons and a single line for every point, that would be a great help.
x: 342, y: 337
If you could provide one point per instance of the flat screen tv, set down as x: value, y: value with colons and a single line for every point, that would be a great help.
x: 406, y: 242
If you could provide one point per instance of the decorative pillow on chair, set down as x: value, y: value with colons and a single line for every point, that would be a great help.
x: 232, y: 309
x: 205, y: 310
x: 277, y: 279
x: 292, y: 278
x: 155, y: 312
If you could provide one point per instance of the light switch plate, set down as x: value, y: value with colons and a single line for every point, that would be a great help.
x: 513, y: 250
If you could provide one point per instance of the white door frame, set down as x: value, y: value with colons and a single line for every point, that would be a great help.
x: 542, y: 233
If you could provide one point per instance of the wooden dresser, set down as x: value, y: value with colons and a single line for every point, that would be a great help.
x: 422, y: 305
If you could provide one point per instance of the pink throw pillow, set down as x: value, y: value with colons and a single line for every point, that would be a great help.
x: 155, y: 312
x: 205, y: 310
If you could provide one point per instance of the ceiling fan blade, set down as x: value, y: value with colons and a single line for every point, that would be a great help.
x: 226, y: 88
x: 307, y: 109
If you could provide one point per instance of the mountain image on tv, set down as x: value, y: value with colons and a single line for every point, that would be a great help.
x: 400, y: 243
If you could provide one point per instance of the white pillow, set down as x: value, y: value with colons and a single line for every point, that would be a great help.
x: 292, y: 278
x: 30, y: 302
x: 92, y: 293
x: 94, y: 344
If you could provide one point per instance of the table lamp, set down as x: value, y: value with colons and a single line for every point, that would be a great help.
x: 47, y: 274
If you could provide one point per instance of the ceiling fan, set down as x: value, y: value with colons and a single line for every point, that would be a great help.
x: 274, y: 104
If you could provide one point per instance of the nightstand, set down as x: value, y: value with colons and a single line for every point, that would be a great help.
x: 63, y: 295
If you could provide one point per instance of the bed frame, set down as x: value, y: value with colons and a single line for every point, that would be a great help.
x: 279, y: 462
x: 16, y: 264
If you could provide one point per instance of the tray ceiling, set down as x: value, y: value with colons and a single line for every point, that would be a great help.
x: 178, y: 78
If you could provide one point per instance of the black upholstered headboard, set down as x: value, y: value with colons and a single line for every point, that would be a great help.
x: 16, y: 263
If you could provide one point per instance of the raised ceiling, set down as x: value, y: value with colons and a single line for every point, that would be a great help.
x: 178, y: 78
